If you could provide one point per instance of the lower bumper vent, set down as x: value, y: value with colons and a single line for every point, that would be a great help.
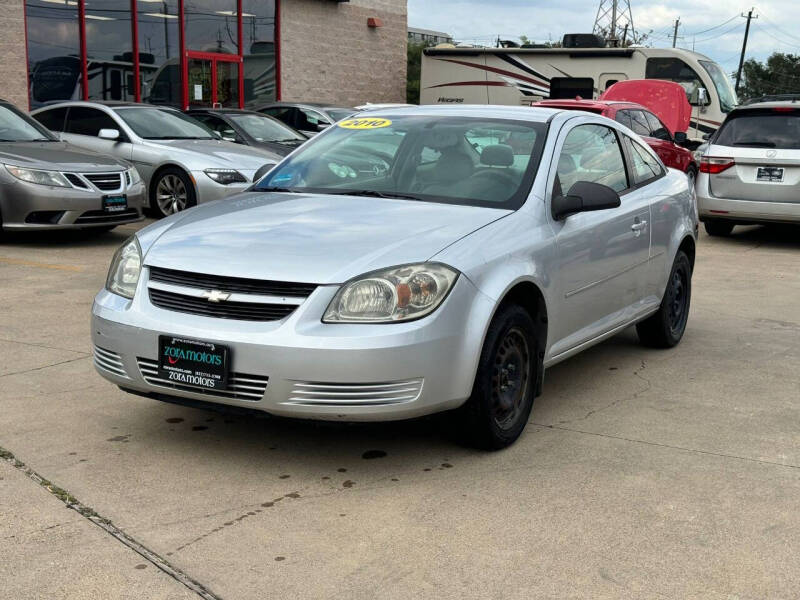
x: 355, y: 394
x: 240, y: 386
x: 109, y: 361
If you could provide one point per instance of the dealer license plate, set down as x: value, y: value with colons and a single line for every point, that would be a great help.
x: 116, y: 203
x: 774, y: 174
x: 192, y: 362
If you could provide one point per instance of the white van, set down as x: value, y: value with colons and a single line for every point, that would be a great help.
x: 519, y: 76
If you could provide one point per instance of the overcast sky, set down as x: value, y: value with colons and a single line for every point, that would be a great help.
x: 481, y: 21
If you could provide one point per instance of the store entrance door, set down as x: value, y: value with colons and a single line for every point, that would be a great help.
x: 212, y: 79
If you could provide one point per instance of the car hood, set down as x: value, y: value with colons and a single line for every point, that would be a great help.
x: 58, y: 156
x: 309, y: 238
x: 218, y: 153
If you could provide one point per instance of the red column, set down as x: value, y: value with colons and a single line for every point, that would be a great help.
x: 277, y: 46
x: 82, y: 35
x: 137, y: 91
x: 184, y: 62
x: 241, y: 53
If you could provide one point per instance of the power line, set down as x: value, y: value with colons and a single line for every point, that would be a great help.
x: 713, y: 28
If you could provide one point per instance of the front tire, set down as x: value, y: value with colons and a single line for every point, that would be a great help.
x: 496, y: 413
x: 718, y: 228
x: 665, y: 328
x: 171, y: 191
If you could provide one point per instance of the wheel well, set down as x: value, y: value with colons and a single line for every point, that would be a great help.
x: 160, y: 170
x: 688, y: 246
x: 530, y: 297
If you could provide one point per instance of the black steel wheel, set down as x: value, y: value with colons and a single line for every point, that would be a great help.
x: 496, y: 413
x: 666, y: 327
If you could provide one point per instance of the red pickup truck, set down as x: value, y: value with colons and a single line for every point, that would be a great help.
x: 663, y: 133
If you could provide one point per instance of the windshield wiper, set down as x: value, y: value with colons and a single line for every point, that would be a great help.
x: 757, y: 144
x: 276, y: 189
x: 375, y: 194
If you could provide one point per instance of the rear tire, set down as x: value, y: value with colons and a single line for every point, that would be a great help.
x: 718, y: 228
x: 171, y: 191
x: 496, y: 413
x: 665, y: 328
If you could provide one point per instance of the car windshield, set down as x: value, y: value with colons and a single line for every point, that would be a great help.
x: 163, y: 124
x: 264, y: 129
x: 766, y: 128
x: 15, y: 127
x: 337, y: 114
x: 727, y: 97
x: 467, y: 161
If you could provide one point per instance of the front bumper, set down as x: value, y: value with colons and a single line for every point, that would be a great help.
x: 349, y: 372
x: 28, y: 206
x: 710, y: 207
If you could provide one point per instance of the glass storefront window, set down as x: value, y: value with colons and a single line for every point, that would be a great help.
x: 109, y: 50
x: 258, y: 35
x: 212, y: 26
x: 54, y: 63
x: 159, y: 51
x: 54, y: 35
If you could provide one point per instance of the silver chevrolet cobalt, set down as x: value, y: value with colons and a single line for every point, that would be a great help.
x: 406, y: 262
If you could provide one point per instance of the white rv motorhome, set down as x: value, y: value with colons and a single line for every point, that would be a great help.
x: 517, y: 76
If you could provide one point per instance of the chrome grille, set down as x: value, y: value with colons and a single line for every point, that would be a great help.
x: 240, y: 386
x: 231, y: 284
x: 76, y: 181
x: 107, y: 360
x: 108, y: 182
x: 354, y: 394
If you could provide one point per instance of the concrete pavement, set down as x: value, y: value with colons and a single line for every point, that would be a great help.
x: 643, y: 474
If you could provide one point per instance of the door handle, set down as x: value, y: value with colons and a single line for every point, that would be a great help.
x: 638, y: 226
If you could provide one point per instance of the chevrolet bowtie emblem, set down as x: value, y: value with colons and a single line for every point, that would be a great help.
x: 216, y: 296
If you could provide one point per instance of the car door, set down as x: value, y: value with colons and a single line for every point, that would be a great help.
x: 83, y: 126
x: 602, y: 256
x: 660, y: 140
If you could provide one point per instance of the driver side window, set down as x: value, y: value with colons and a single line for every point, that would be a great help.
x: 591, y: 153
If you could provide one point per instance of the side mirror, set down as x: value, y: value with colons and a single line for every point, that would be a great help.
x: 322, y: 126
x: 108, y: 134
x: 584, y: 196
x: 216, y: 134
x: 681, y: 137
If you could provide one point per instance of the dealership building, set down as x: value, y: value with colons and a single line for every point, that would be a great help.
x: 234, y: 53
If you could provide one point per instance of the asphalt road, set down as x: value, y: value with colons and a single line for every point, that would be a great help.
x: 643, y: 474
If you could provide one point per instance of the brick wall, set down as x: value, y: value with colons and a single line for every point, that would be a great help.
x: 328, y: 54
x: 13, y: 71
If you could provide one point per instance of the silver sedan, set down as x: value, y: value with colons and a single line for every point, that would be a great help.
x: 406, y: 262
x: 181, y: 161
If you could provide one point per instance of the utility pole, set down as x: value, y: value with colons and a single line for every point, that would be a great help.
x: 749, y: 16
x: 675, y: 33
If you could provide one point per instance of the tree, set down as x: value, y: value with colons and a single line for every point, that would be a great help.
x: 779, y: 74
x: 414, y: 70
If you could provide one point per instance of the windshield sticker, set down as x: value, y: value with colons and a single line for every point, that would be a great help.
x: 364, y: 123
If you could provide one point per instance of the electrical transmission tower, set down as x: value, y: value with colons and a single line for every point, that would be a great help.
x: 615, y: 22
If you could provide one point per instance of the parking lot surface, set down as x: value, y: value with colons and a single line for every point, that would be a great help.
x: 642, y: 474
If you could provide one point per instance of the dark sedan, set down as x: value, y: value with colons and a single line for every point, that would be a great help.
x: 308, y: 118
x: 250, y: 128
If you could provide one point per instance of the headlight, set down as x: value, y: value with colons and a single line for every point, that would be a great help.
x: 133, y: 176
x: 397, y: 294
x: 38, y: 176
x: 226, y: 176
x: 123, y: 275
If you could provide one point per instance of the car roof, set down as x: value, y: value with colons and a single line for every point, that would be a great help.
x: 103, y: 104
x: 769, y: 104
x: 576, y: 103
x: 517, y: 113
x: 319, y: 105
x: 226, y: 111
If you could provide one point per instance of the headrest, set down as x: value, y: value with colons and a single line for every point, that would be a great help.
x: 566, y: 164
x: 497, y: 155
x: 441, y: 138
